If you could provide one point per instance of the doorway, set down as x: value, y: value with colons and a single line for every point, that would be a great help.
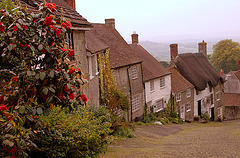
x: 212, y: 114
x: 199, y: 108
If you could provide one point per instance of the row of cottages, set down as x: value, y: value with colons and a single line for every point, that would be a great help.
x: 202, y: 93
x: 232, y: 93
x: 126, y: 66
x: 84, y: 58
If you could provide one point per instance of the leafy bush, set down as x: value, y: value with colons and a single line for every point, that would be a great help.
x: 83, y: 133
x: 205, y: 117
x: 196, y: 118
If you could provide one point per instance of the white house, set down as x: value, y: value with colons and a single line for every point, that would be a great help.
x: 156, y: 78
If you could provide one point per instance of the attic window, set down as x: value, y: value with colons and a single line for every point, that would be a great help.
x: 162, y: 82
x: 134, y: 72
x: 151, y: 86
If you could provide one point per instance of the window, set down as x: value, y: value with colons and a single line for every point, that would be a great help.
x: 162, y: 82
x: 151, y: 86
x: 90, y: 67
x: 96, y: 64
x: 134, y: 72
x: 135, y: 103
x: 159, y: 105
x: 70, y: 40
x: 188, y: 93
x: 188, y: 107
x: 178, y: 97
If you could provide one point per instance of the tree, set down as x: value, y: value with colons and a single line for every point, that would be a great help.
x: 34, y: 74
x: 226, y: 54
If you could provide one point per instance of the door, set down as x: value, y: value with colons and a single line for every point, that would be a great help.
x: 212, y: 114
x: 182, y: 112
x: 199, y: 108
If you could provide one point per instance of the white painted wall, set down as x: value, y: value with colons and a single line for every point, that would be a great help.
x: 202, y: 95
x: 159, y: 92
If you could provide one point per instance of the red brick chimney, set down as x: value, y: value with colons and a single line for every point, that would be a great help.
x: 174, y: 51
x: 221, y: 72
x: 238, y: 64
x: 110, y: 22
x: 202, y: 47
x: 71, y: 3
x: 134, y: 38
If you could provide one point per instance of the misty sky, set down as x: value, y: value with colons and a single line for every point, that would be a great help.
x: 167, y: 20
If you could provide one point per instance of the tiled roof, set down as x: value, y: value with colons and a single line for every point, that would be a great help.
x: 237, y: 73
x: 232, y: 99
x: 93, y: 43
x: 197, y: 69
x: 151, y: 67
x: 178, y: 82
x: 73, y: 16
x: 120, y: 52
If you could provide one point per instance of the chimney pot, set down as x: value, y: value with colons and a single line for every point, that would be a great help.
x: 134, y: 38
x: 173, y: 51
x: 202, y: 47
x: 110, y: 22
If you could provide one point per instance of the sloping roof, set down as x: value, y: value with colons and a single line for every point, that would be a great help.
x: 73, y: 16
x: 151, y: 67
x: 197, y: 69
x: 93, y: 43
x: 120, y: 52
x: 232, y: 99
x: 237, y: 73
x: 178, y: 82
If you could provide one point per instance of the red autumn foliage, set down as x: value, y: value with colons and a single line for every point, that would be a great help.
x: 51, y: 6
x: 67, y: 24
x: 14, y: 79
x: 48, y: 20
x: 1, y: 27
x: 58, y: 32
x: 84, y: 97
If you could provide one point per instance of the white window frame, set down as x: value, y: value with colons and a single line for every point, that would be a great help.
x: 162, y: 82
x: 151, y: 86
x: 178, y: 97
x: 134, y: 72
x: 188, y: 106
x: 188, y: 93
x: 90, y: 67
x: 96, y: 64
x: 135, y: 103
x: 159, y: 105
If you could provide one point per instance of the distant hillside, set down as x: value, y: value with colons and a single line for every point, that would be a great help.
x: 161, y: 51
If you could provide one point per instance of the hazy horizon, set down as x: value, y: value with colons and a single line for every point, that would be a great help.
x: 172, y: 20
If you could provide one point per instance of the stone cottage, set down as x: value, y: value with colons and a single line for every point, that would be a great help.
x: 127, y: 67
x: 208, y: 84
x: 156, y: 78
x: 76, y: 40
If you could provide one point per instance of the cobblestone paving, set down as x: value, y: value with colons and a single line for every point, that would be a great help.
x: 209, y: 140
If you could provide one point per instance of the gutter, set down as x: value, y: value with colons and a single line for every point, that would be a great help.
x: 130, y: 91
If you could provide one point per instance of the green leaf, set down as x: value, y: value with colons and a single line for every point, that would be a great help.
x: 10, y: 47
x: 49, y: 100
x: 19, y: 26
x: 28, y: 107
x: 29, y: 73
x: 9, y: 136
x: 29, y: 118
x: 32, y: 48
x: 7, y: 142
x: 51, y: 74
x: 40, y: 47
x: 9, y: 34
x: 51, y: 89
x: 34, y: 111
x: 65, y: 75
x: 20, y: 21
x: 22, y: 109
x: 39, y: 111
x: 42, y: 75
x: 45, y: 91
x: 37, y: 76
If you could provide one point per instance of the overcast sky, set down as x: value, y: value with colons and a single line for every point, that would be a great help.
x: 160, y: 20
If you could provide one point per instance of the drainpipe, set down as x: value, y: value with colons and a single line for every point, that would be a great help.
x: 130, y: 91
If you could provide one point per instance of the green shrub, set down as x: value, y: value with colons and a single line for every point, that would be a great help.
x: 196, y: 118
x: 80, y: 134
x: 125, y: 132
x: 205, y: 117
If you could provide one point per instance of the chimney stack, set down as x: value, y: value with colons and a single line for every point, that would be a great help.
x: 202, y: 48
x: 174, y: 51
x: 110, y: 22
x: 71, y: 3
x: 134, y: 38
x: 238, y: 64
